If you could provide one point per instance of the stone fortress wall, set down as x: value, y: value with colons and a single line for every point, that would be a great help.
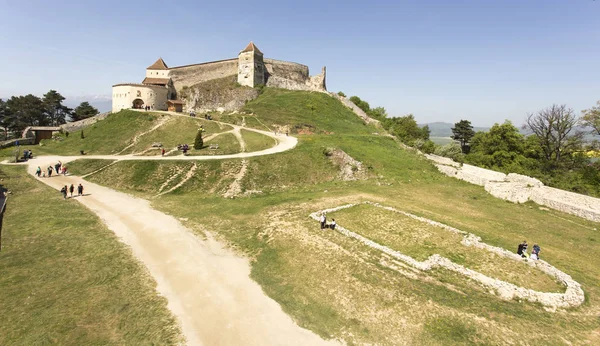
x: 519, y: 188
x: 280, y: 74
x: 194, y: 74
x: 293, y: 76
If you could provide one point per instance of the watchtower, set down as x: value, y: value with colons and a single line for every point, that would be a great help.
x: 251, y: 67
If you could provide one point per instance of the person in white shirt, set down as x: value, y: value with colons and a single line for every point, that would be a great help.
x: 323, y: 220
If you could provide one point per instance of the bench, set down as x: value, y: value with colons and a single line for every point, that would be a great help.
x: 213, y: 146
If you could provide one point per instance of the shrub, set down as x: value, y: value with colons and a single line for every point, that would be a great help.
x: 451, y: 150
x: 341, y: 94
x: 199, y: 142
x: 426, y: 146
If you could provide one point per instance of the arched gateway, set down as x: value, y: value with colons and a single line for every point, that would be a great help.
x: 138, y: 104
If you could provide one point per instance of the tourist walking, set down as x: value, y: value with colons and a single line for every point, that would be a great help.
x: 38, y: 172
x: 80, y: 190
x: 332, y: 224
x: 64, y: 192
x: 57, y: 167
x: 323, y: 220
x: 162, y: 151
x: 49, y: 171
x: 71, y: 189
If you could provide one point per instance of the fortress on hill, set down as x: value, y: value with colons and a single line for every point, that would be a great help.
x: 189, y: 87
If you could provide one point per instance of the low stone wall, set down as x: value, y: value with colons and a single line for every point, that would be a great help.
x: 519, y: 188
x: 573, y: 296
x: 78, y: 125
x: 13, y: 142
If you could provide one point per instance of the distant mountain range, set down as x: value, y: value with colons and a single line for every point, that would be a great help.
x: 441, y: 129
x: 444, y: 130
x: 101, y: 102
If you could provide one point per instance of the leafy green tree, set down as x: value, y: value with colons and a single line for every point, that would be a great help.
x: 378, y: 113
x: 56, y: 112
x: 406, y: 129
x: 505, y: 137
x: 555, y: 129
x: 341, y: 94
x: 425, y: 132
x: 463, y: 132
x: 199, y: 142
x: 502, y: 148
x: 83, y: 111
x: 26, y: 111
x: 591, y: 118
x: 451, y: 150
x: 426, y: 146
x: 4, y: 118
x: 364, y: 105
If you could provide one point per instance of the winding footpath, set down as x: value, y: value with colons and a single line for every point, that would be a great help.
x: 208, y: 287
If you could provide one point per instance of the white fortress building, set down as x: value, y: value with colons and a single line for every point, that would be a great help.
x: 163, y: 84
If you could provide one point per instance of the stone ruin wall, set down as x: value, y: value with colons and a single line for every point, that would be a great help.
x: 292, y: 76
x: 519, y: 188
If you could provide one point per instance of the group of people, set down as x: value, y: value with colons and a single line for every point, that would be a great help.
x: 535, y: 252
x: 184, y: 148
x: 323, y: 222
x: 65, y: 190
x: 27, y: 154
x: 58, y: 168
x: 206, y: 116
x: 144, y: 107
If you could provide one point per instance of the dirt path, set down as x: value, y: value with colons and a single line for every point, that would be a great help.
x: 284, y: 143
x: 238, y: 135
x: 207, y: 286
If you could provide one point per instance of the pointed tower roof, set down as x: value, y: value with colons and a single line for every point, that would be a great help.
x: 158, y: 65
x: 251, y: 47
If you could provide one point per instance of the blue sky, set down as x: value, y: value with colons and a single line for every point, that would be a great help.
x: 481, y: 60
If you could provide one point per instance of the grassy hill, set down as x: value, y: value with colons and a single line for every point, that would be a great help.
x: 342, y: 289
